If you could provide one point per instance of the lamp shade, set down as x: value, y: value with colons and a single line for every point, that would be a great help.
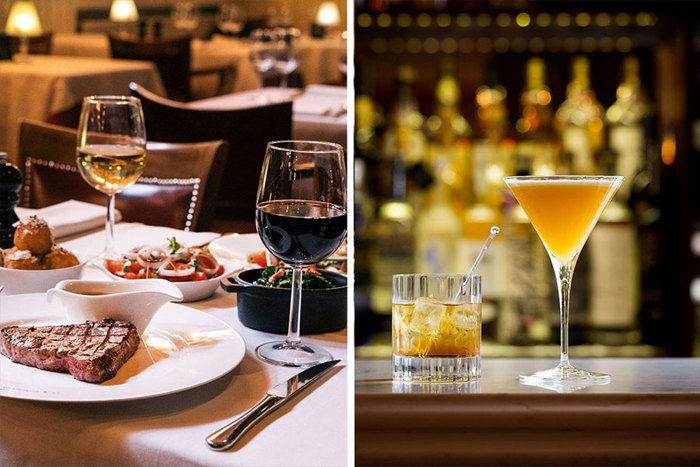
x: 328, y: 14
x: 123, y: 11
x: 23, y: 20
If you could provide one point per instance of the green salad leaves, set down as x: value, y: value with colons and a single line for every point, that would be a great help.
x: 308, y: 280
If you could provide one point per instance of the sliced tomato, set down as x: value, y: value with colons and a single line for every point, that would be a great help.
x: 135, y: 267
x: 130, y: 275
x: 151, y: 274
x: 114, y: 266
x: 258, y: 258
x: 199, y: 276
x: 219, y: 271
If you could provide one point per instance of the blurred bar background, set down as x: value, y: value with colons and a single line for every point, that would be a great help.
x: 451, y: 96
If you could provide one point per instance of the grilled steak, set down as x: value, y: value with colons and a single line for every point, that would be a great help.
x: 91, y: 351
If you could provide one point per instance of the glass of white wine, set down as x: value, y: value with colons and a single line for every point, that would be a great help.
x: 111, y: 149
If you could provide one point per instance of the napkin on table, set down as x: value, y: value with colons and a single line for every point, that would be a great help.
x: 70, y: 217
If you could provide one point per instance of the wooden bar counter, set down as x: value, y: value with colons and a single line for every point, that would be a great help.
x: 648, y: 415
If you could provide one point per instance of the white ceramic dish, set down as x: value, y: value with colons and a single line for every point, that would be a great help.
x: 182, y: 349
x: 191, y: 291
x: 135, y: 301
x: 19, y: 281
x: 237, y: 248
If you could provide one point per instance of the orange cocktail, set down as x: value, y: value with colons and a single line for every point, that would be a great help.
x: 563, y: 210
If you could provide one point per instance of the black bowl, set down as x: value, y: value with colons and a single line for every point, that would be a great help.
x: 267, y: 308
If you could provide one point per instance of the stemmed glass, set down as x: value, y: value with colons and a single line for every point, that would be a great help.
x: 564, y: 210
x: 185, y: 16
x: 230, y: 19
x: 262, y: 53
x: 301, y: 219
x: 286, y: 52
x: 111, y: 149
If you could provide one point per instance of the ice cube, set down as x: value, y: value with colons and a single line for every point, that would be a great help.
x: 427, y: 316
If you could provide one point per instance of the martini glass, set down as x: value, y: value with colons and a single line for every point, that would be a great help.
x: 563, y: 210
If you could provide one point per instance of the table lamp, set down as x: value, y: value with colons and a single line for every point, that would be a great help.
x: 123, y: 12
x: 327, y: 17
x: 23, y: 22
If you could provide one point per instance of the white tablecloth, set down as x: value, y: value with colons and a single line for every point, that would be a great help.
x: 319, y: 112
x: 319, y: 58
x: 170, y: 430
x: 51, y: 84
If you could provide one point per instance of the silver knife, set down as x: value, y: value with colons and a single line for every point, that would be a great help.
x: 228, y: 436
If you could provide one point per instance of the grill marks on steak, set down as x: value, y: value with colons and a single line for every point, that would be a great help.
x: 90, y: 351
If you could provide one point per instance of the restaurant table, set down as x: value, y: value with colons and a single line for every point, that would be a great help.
x: 648, y: 415
x: 50, y: 84
x: 318, y: 63
x: 319, y: 112
x: 170, y: 430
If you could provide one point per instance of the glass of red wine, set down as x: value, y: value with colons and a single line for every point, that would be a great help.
x: 301, y: 219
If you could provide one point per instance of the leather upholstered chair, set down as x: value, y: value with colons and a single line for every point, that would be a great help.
x: 177, y: 188
x: 247, y: 131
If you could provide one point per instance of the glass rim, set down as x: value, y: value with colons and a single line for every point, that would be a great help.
x: 444, y: 275
x: 332, y: 146
x: 563, y: 177
x: 111, y: 99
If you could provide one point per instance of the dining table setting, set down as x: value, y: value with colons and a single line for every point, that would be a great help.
x: 126, y: 343
x: 318, y: 62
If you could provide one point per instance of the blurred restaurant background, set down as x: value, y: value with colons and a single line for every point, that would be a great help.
x: 451, y: 96
x: 243, y: 71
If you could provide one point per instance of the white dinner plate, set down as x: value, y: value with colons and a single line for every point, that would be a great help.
x: 182, y: 348
x: 237, y: 247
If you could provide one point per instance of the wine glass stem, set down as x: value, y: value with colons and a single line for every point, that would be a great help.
x: 564, y: 273
x: 109, y: 224
x: 295, y: 307
x: 283, y: 81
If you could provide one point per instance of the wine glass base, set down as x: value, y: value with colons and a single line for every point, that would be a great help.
x: 564, y: 378
x: 297, y: 355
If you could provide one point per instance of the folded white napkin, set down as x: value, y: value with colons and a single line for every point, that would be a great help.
x: 319, y: 104
x: 70, y: 217
x: 327, y: 90
x: 130, y: 235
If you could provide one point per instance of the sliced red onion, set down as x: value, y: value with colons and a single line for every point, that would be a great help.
x: 209, y: 259
x: 185, y: 271
x: 152, y: 256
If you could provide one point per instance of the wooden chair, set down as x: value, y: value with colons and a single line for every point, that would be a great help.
x: 247, y: 131
x: 176, y: 190
x: 172, y: 58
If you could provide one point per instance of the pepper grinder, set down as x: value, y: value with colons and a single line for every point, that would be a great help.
x: 10, y: 184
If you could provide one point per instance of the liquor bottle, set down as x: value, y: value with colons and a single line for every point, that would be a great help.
x: 614, y: 273
x: 534, y: 127
x: 404, y: 136
x: 438, y: 230
x: 580, y: 122
x: 627, y: 120
x: 615, y: 268
x: 403, y: 148
x: 438, y: 227
x: 392, y: 241
x: 449, y: 130
x: 489, y: 160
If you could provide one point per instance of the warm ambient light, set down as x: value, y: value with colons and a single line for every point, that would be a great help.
x: 328, y: 14
x: 123, y: 11
x: 23, y: 20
